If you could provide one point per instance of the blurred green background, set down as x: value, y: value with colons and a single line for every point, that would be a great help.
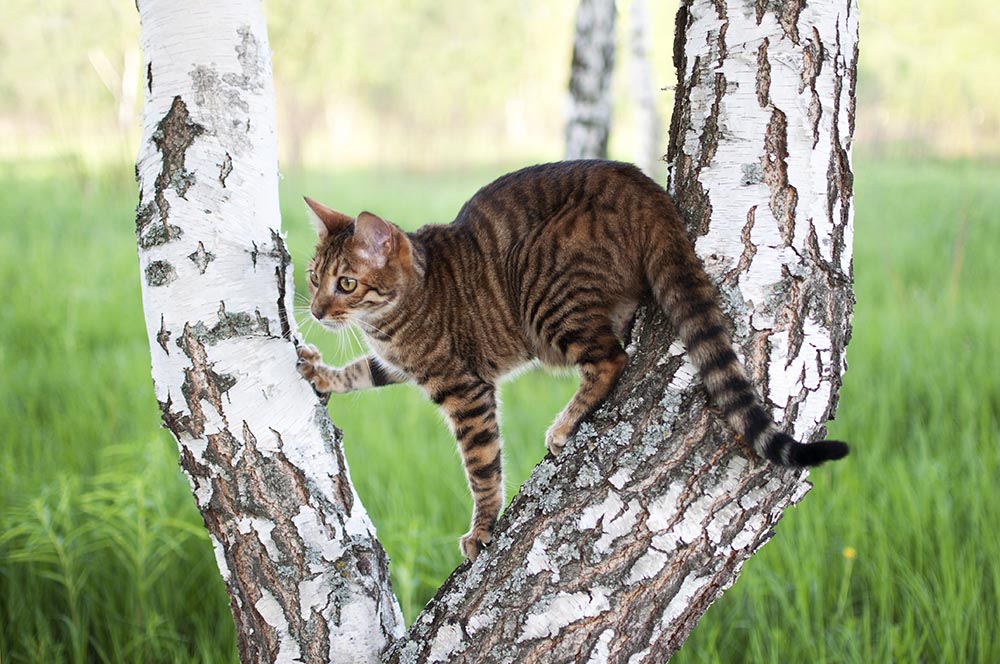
x: 407, y: 108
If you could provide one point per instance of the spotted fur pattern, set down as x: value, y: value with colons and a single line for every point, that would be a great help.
x: 547, y: 263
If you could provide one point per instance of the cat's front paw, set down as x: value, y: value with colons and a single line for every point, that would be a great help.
x: 474, y: 541
x: 311, y: 367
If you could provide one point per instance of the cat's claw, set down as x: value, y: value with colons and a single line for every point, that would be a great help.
x: 474, y: 541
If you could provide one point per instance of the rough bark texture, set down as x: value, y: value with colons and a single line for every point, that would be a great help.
x: 614, y: 550
x: 588, y: 121
x: 649, y: 140
x: 307, y: 578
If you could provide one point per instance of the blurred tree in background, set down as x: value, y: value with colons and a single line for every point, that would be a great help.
x: 434, y: 82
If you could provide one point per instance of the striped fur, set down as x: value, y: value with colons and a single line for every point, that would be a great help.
x: 549, y: 262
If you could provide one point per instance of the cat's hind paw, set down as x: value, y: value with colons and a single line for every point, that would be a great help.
x: 556, y: 438
x: 474, y: 541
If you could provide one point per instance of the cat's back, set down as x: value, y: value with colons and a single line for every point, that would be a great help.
x: 536, y: 194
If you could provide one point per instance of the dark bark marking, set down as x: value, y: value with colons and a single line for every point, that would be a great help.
x: 163, y: 336
x: 225, y: 168
x: 749, y: 249
x: 786, y: 11
x: 840, y: 177
x: 709, y: 139
x: 174, y: 134
x: 721, y: 40
x: 230, y: 325
x: 763, y: 75
x: 149, y: 77
x: 812, y: 65
x: 784, y: 196
x: 176, y: 422
x: 201, y: 382
x: 160, y: 273
x: 280, y: 274
x: 156, y: 233
x: 262, y: 323
x: 682, y: 173
x: 788, y: 16
x: 201, y: 258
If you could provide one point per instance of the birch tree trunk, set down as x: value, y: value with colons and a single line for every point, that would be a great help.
x: 614, y: 550
x: 588, y: 117
x: 307, y: 578
x: 649, y: 147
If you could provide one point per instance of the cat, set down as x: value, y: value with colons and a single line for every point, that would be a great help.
x: 549, y: 262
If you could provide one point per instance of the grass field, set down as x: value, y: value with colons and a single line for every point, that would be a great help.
x: 894, y: 556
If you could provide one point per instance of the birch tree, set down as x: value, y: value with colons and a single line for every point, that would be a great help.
x: 306, y: 575
x: 588, y: 116
x: 610, y: 552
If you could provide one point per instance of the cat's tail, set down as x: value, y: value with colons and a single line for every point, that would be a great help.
x: 690, y: 298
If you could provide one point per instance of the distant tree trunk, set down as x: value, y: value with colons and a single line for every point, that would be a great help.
x: 588, y: 121
x: 307, y: 578
x: 612, y: 551
x: 649, y: 146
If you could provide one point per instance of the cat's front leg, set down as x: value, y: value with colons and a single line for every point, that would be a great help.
x: 358, y: 375
x: 471, y: 410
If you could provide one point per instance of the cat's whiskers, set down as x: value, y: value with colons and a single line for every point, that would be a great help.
x: 364, y: 324
x: 303, y: 317
x: 358, y: 337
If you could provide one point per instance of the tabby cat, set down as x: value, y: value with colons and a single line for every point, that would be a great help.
x: 549, y: 262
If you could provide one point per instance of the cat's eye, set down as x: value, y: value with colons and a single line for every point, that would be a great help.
x: 313, y: 278
x: 346, y: 284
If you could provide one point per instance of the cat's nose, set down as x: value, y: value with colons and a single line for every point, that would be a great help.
x: 318, y: 311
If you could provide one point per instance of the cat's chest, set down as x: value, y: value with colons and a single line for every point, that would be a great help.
x: 397, y: 356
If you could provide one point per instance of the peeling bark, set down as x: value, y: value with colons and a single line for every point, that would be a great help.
x: 307, y: 578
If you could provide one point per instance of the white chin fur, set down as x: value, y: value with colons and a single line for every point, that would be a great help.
x: 334, y: 324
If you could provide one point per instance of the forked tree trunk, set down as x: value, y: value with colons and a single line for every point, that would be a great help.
x: 306, y: 576
x: 588, y: 116
x: 614, y: 550
x: 609, y: 553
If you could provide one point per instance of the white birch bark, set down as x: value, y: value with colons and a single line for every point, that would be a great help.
x: 588, y: 115
x: 649, y: 147
x: 307, y: 578
x: 614, y: 550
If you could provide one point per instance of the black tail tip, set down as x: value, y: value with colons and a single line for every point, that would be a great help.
x: 813, y: 454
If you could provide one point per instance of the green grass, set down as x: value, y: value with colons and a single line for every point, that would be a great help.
x: 103, y: 556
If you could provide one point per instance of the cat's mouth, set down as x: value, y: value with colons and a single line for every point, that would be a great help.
x: 334, y: 323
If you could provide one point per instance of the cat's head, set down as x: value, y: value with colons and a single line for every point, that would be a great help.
x: 361, y: 267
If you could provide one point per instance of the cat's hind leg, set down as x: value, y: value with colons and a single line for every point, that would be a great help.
x: 470, y: 407
x: 598, y: 353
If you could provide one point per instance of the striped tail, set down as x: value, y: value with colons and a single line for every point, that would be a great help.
x: 688, y: 296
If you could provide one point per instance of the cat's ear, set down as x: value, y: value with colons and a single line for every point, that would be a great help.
x: 326, y: 220
x: 375, y: 237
